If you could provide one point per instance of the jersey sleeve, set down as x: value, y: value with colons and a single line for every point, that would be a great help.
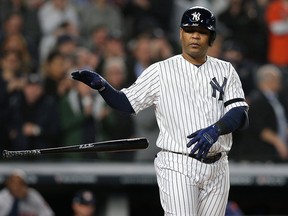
x: 234, y: 94
x: 145, y: 91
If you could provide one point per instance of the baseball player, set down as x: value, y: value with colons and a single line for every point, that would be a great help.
x: 199, y: 102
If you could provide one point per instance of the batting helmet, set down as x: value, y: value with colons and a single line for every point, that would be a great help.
x: 200, y: 16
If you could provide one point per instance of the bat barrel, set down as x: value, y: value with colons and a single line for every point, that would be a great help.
x: 119, y: 145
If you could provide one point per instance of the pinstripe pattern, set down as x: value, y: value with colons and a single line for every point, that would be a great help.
x: 182, y: 95
x: 185, y: 101
x: 191, y: 188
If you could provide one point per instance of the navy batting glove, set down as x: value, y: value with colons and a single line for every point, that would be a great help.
x: 204, y: 138
x: 90, y: 78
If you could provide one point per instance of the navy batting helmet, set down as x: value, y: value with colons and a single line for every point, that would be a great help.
x: 200, y: 16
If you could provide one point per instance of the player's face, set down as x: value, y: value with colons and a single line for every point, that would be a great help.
x: 195, y: 43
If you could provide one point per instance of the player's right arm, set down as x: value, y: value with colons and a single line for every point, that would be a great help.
x: 114, y: 98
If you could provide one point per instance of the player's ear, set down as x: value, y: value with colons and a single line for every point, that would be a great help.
x: 180, y: 33
x: 212, y: 38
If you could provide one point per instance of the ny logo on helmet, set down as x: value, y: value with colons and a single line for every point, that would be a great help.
x: 196, y: 16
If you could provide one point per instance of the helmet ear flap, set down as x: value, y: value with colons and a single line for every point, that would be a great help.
x: 212, y: 38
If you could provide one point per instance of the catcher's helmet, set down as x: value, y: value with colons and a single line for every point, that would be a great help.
x: 200, y: 16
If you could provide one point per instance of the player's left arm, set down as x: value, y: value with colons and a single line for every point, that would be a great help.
x: 235, y: 118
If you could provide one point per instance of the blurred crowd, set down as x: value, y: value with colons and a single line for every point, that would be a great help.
x: 18, y: 197
x: 43, y: 41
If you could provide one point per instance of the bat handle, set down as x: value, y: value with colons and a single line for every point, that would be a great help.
x: 10, y: 154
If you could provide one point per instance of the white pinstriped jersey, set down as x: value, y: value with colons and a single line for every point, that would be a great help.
x: 187, y: 98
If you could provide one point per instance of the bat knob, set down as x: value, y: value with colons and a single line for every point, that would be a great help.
x: 5, y: 154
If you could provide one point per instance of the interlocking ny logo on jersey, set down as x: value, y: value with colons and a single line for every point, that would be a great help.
x: 196, y: 16
x: 216, y: 87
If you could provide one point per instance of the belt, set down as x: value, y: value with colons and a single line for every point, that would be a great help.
x: 207, y: 160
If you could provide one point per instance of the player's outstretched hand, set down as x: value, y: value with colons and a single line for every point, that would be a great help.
x: 204, y: 138
x: 90, y: 78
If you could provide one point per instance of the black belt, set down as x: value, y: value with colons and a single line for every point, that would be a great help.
x: 207, y: 160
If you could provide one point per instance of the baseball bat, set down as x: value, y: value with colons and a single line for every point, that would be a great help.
x: 103, y: 146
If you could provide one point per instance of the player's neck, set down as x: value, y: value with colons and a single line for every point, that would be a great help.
x: 197, y: 61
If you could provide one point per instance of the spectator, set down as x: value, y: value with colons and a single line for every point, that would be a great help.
x: 56, y: 16
x: 16, y: 42
x: 98, y: 40
x: 113, y: 124
x: 243, y: 26
x: 138, y: 18
x: 30, y: 25
x: 12, y: 24
x: 55, y: 70
x: 83, y: 203
x: 163, y: 16
x: 16, y: 22
x: 66, y: 44
x: 4, y: 101
x: 97, y: 44
x: 11, y: 73
x: 34, y: 118
x: 266, y: 137
x: 17, y: 198
x: 115, y: 46
x: 34, y: 4
x: 51, y: 42
x: 216, y: 49
x: 77, y: 122
x: 145, y: 123
x: 80, y: 3
x: 11, y: 83
x: 100, y: 12
x: 53, y: 13
x: 142, y: 16
x: 158, y: 48
x: 140, y: 58
x: 277, y: 23
x: 216, y: 6
x: 86, y: 58
x: 146, y: 126
x: 233, y: 52
x: 161, y: 48
x: 257, y: 8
